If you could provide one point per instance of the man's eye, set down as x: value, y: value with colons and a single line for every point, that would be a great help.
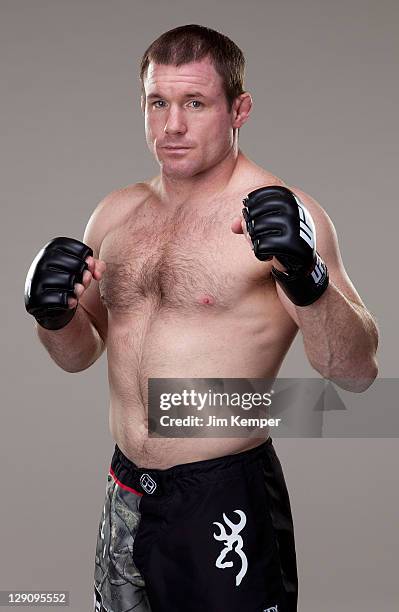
x: 162, y: 103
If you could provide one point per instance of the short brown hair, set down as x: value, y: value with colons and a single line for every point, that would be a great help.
x: 190, y: 43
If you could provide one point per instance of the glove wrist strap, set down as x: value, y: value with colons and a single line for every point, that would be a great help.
x: 56, y: 321
x: 304, y: 289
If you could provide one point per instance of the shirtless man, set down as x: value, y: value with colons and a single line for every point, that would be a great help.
x: 172, y: 288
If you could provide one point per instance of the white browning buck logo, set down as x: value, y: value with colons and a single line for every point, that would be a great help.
x: 232, y: 541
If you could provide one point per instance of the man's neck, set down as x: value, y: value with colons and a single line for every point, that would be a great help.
x: 177, y: 190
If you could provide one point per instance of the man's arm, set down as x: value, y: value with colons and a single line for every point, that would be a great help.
x: 340, y: 336
x: 82, y: 341
x: 76, y: 346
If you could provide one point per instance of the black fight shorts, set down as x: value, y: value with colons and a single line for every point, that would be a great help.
x: 208, y: 536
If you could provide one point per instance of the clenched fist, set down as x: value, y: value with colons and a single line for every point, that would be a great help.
x: 57, y: 278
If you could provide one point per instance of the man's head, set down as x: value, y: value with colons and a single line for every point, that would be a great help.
x: 193, y: 96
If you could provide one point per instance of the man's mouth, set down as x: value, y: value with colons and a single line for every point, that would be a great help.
x: 176, y: 150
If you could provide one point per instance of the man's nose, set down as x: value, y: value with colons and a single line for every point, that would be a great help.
x: 175, y: 122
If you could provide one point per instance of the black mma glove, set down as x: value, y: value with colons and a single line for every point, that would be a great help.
x: 51, y: 278
x: 280, y: 226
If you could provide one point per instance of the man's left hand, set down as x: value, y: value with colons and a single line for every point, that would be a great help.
x: 279, y: 227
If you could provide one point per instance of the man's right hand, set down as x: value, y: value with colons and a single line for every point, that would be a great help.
x: 57, y: 278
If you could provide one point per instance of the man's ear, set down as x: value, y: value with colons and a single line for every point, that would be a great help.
x: 241, y: 109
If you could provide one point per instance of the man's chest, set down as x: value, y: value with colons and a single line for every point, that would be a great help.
x: 188, y: 260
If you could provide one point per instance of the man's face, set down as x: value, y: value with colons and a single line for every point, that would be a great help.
x: 186, y: 107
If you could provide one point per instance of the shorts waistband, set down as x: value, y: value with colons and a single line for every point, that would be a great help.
x: 156, y: 482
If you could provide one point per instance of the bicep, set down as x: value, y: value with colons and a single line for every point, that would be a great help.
x: 328, y: 248
x: 91, y: 299
x: 111, y: 211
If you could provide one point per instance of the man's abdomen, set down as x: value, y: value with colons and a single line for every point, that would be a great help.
x: 166, y: 345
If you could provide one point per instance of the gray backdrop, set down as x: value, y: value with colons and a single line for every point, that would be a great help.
x: 324, y: 82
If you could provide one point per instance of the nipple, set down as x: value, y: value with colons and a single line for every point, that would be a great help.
x: 206, y: 299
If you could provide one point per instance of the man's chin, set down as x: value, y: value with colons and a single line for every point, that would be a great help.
x: 177, y: 170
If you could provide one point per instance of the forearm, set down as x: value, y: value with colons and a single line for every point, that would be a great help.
x: 76, y: 346
x: 340, y: 339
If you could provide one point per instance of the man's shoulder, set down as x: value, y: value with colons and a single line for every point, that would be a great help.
x: 113, y: 209
x: 121, y: 202
x: 250, y: 176
x: 255, y: 176
x: 321, y: 218
x: 125, y: 197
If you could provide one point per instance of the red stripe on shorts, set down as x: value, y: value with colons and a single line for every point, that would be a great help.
x: 123, y: 486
